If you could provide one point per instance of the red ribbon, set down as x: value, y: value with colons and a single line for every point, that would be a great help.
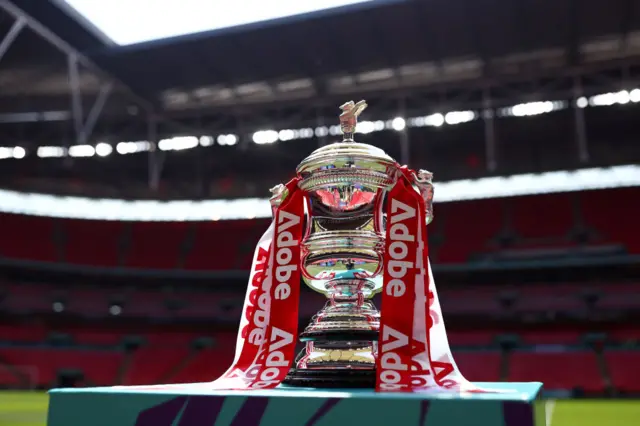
x: 267, y: 337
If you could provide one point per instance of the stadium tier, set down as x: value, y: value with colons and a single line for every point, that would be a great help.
x: 542, y: 226
x: 537, y: 300
x: 102, y: 357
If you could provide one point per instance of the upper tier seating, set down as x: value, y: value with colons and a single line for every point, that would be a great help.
x: 509, y: 228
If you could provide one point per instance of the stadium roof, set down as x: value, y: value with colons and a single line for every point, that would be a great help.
x: 65, y: 82
x: 374, y: 45
x: 125, y: 22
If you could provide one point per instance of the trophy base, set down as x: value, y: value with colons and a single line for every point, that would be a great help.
x: 335, y: 378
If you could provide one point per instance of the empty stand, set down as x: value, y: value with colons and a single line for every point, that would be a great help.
x: 478, y: 300
x: 150, y: 365
x: 542, y: 217
x: 91, y: 242
x: 97, y: 337
x: 540, y: 225
x: 22, y: 333
x: 43, y: 364
x: 468, y: 228
x: 27, y: 237
x: 472, y: 338
x: 557, y: 370
x: 613, y: 215
x: 549, y: 298
x: 479, y: 366
x: 156, y: 245
x: 206, y: 365
x: 550, y: 337
x: 624, y: 370
x: 218, y: 245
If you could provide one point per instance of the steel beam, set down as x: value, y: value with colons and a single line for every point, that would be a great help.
x: 67, y: 49
x: 489, y: 131
x: 11, y: 36
x: 580, y: 124
x: 76, y: 98
x: 155, y: 158
x: 96, y: 110
x: 405, y: 148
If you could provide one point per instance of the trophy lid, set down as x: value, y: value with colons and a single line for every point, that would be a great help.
x: 347, y: 154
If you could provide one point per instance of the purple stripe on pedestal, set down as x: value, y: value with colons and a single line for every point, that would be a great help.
x: 162, y: 414
x: 517, y: 413
x: 201, y: 410
x: 251, y: 412
x: 424, y: 409
x: 324, y: 409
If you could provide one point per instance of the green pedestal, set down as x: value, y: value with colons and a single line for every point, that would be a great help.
x: 196, y: 406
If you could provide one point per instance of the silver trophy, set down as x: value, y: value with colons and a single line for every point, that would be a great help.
x: 342, y: 255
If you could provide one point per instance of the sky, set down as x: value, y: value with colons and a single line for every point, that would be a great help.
x: 134, y: 21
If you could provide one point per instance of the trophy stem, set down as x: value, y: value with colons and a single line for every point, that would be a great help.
x: 341, y: 340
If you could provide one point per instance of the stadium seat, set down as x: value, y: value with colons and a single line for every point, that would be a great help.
x: 548, y: 216
x: 602, y: 212
x: 27, y: 237
x: 549, y: 298
x: 551, y: 337
x: 150, y: 365
x: 625, y: 335
x: 156, y: 245
x: 467, y: 233
x: 470, y: 301
x: 206, y: 365
x: 472, y: 338
x: 624, y: 369
x: 557, y: 370
x: 92, y: 242
x: 222, y: 245
x: 28, y: 333
x: 479, y: 366
x: 97, y: 337
x: 43, y: 364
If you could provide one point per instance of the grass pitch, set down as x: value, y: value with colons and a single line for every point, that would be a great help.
x: 30, y: 409
x: 23, y: 408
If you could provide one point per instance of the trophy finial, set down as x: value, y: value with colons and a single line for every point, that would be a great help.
x: 349, y: 117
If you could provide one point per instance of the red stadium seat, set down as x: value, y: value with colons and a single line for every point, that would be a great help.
x: 22, y: 333
x: 10, y: 377
x: 472, y: 338
x: 468, y: 228
x: 479, y: 366
x: 625, y: 334
x: 93, y: 242
x: 207, y: 365
x: 603, y: 212
x: 43, y: 364
x: 97, y: 337
x: 557, y: 370
x: 223, y: 245
x: 623, y: 366
x: 552, y: 337
x: 150, y: 365
x: 27, y: 237
x: 542, y: 216
x: 156, y: 245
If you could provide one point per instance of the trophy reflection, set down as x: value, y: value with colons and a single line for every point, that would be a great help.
x: 342, y: 256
